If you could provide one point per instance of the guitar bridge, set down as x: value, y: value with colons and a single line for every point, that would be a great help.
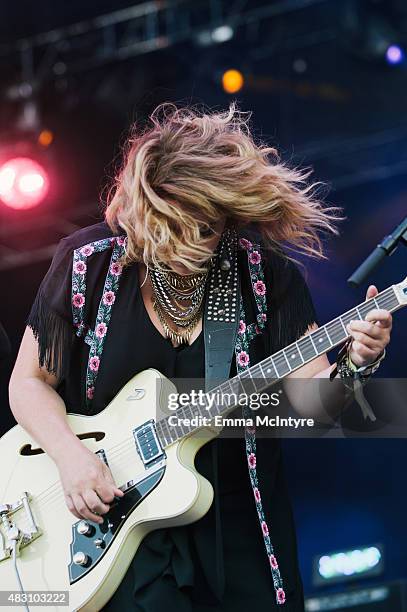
x: 147, y: 443
x: 10, y: 532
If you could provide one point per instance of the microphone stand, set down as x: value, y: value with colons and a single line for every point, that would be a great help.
x: 386, y: 247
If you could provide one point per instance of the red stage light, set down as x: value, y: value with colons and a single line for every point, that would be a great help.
x: 23, y: 183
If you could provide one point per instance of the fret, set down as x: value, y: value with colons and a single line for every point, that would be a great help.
x: 387, y: 299
x: 313, y: 343
x: 280, y: 363
x: 239, y: 386
x: 269, y: 369
x: 344, y: 328
x: 187, y: 412
x: 293, y: 356
x: 228, y: 400
x: 248, y: 382
x: 257, y: 377
x: 349, y: 316
x: 216, y: 409
x: 321, y: 339
x: 164, y: 429
x: 210, y: 409
x: 193, y: 411
x: 358, y: 315
x: 169, y: 434
x: 335, y: 331
x: 220, y: 392
x: 307, y: 348
x: 261, y: 373
x: 234, y: 384
x: 224, y: 392
x: 202, y: 408
x: 365, y: 308
x: 226, y: 386
x: 186, y: 428
x: 179, y: 428
x: 159, y: 426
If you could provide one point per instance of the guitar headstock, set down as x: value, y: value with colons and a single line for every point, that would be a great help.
x: 401, y: 290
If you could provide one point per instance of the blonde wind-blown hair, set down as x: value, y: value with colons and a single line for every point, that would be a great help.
x: 190, y: 168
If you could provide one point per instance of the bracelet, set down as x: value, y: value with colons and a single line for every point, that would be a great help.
x: 355, y: 377
x: 347, y: 369
x: 368, y: 369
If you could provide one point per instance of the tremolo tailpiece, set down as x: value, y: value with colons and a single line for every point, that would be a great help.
x: 9, y: 530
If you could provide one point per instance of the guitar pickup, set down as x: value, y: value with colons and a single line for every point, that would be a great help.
x: 147, y: 443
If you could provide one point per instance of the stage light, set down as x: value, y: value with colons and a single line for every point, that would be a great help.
x: 232, y: 81
x: 222, y: 34
x: 24, y: 183
x: 218, y: 35
x: 348, y: 564
x: 300, y: 65
x: 394, y: 54
x: 45, y: 138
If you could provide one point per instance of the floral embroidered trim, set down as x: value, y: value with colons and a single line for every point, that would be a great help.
x: 245, y: 334
x: 95, y: 338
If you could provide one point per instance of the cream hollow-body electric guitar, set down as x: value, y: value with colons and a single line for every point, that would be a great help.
x: 44, y: 547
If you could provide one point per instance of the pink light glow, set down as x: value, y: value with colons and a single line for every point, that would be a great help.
x: 23, y: 183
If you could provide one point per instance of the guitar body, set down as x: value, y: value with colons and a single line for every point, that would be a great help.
x: 56, y: 551
x: 167, y: 493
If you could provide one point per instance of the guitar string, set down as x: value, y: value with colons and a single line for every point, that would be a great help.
x: 54, y: 491
x: 113, y: 454
x: 129, y: 443
x: 125, y: 442
x: 58, y: 495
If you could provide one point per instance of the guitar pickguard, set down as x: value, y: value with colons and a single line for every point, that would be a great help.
x: 87, y: 548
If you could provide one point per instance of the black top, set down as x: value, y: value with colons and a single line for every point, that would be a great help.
x: 204, y: 562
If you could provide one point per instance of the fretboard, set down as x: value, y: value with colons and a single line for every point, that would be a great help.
x: 272, y: 369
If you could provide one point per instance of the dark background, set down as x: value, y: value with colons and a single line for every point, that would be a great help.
x: 320, y: 91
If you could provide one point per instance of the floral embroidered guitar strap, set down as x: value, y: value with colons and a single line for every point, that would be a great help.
x: 95, y: 338
x: 245, y: 335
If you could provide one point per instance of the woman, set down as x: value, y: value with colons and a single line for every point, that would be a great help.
x: 133, y: 288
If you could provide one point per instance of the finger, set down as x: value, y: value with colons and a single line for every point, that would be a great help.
x: 83, y: 510
x: 366, y: 340
x: 379, y: 314
x: 71, y: 506
x: 109, y: 477
x: 376, y: 314
x: 366, y: 327
x: 106, y: 492
x: 371, y: 292
x: 363, y: 351
x: 94, y: 503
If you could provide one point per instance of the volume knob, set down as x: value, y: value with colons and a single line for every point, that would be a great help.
x: 83, y: 527
x: 80, y: 558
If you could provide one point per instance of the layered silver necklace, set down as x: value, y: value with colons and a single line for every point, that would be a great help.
x: 179, y: 299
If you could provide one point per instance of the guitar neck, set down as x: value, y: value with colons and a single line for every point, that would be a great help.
x: 277, y: 366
